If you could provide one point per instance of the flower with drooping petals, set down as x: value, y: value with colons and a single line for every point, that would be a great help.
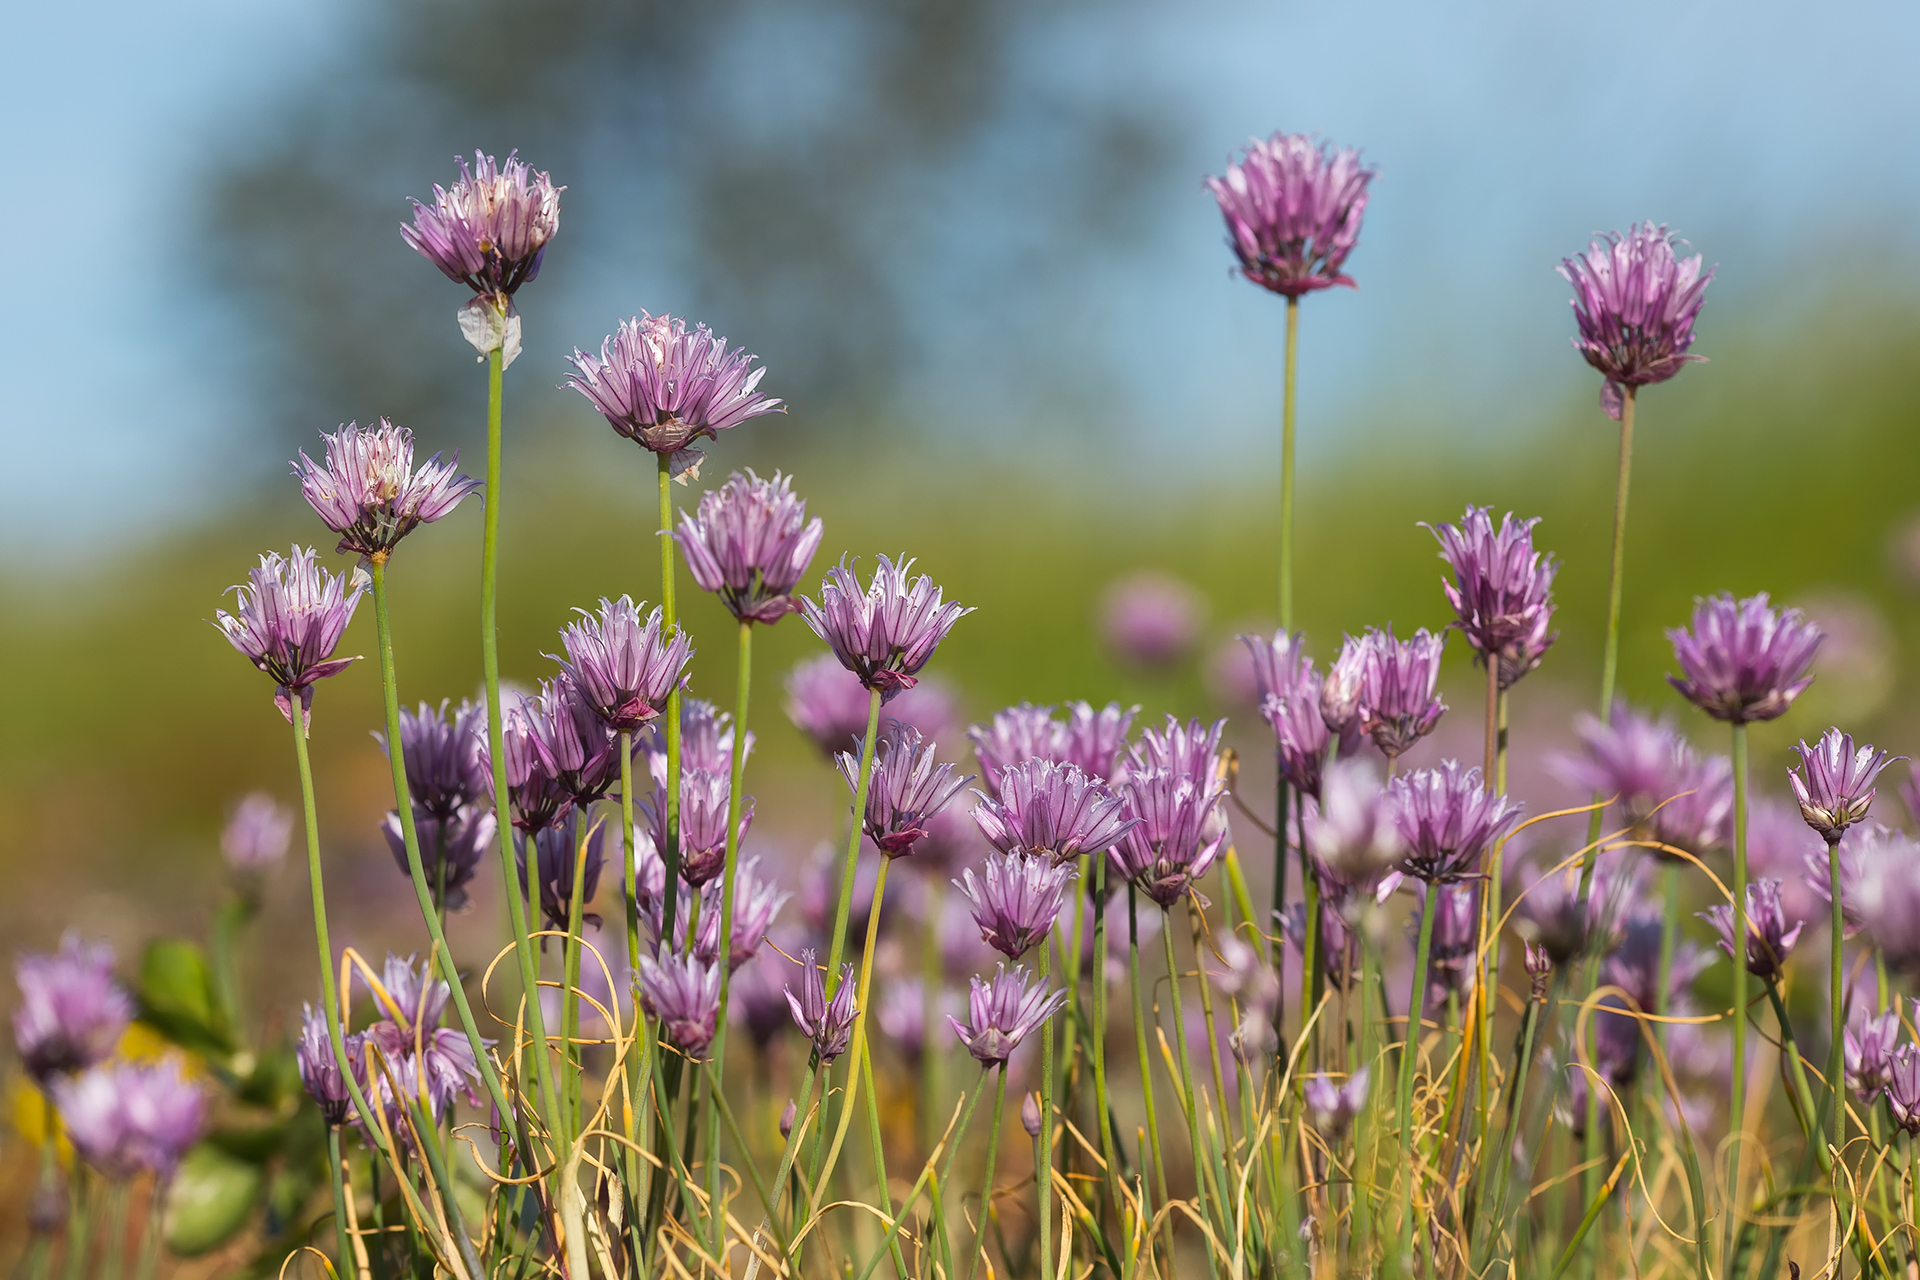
x: 287, y: 621
x: 907, y: 787
x: 749, y: 543
x: 1744, y: 660
x: 1867, y: 1046
x: 1837, y: 788
x: 256, y: 836
x: 684, y: 993
x: 828, y: 1023
x: 1635, y: 301
x: 1502, y: 588
x: 1769, y: 938
x: 1003, y: 1011
x: 1334, y: 1106
x: 1150, y: 619
x: 71, y: 1012
x: 1177, y: 835
x: 1903, y: 1089
x: 623, y: 667
x: 663, y: 387
x: 887, y: 633
x: 369, y: 493
x: 491, y: 228
x: 1293, y: 209
x: 126, y: 1117
x: 1447, y: 819
x: 1051, y: 811
x: 320, y: 1070
x: 1016, y: 900
x: 1397, y: 703
x: 450, y: 848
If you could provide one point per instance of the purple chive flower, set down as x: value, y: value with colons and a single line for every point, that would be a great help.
x: 907, y: 788
x: 443, y: 749
x: 1351, y: 831
x: 828, y: 1023
x: 1447, y: 819
x: 1635, y: 301
x: 1744, y: 660
x: 71, y: 1012
x: 706, y: 742
x: 558, y: 848
x: 1334, y: 1106
x: 489, y: 231
x: 1151, y: 620
x: 749, y: 543
x: 256, y: 836
x: 755, y: 903
x: 1016, y: 735
x: 704, y: 799
x: 885, y: 634
x: 450, y: 848
x: 1289, y: 691
x: 623, y: 667
x: 1051, y: 811
x: 1177, y: 835
x: 1397, y: 704
x: 901, y: 1011
x: 1192, y: 748
x: 1096, y: 740
x: 1293, y: 208
x: 1837, y: 787
x: 1877, y: 879
x: 1002, y: 1011
x: 1340, y: 691
x: 1631, y: 758
x: 574, y: 745
x: 537, y: 799
x: 287, y: 620
x: 663, y: 387
x: 320, y: 1070
x: 1769, y: 938
x: 1903, y: 1089
x: 1502, y: 589
x: 828, y: 703
x: 683, y: 992
x: 125, y: 1117
x: 1016, y: 900
x: 369, y: 493
x: 445, y: 1060
x: 1867, y: 1045
x: 1538, y: 962
x: 1549, y: 914
x: 1633, y: 965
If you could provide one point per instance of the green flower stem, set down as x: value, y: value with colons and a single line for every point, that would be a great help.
x: 1097, y: 1037
x: 79, y: 1226
x: 497, y: 754
x: 1738, y: 1096
x: 986, y: 1177
x: 1313, y: 968
x: 672, y: 624
x: 926, y: 1177
x: 403, y: 804
x: 856, y: 1052
x: 233, y: 916
x: 1494, y: 1213
x: 1836, y: 1062
x: 337, y: 1169
x: 1043, y: 1169
x: 933, y: 1066
x: 838, y: 947
x: 1790, y: 1050
x: 1286, y: 464
x: 1500, y: 755
x: 628, y: 876
x: 1610, y: 655
x: 717, y: 1231
x: 1146, y: 1069
x: 1276, y: 949
x: 151, y: 1232
x: 877, y: 1141
x: 113, y: 1253
x: 1206, y: 1010
x: 570, y: 993
x: 1409, y: 1058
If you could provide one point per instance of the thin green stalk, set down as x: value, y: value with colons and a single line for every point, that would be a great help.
x: 1836, y: 1063
x: 1206, y: 1185
x: 1500, y: 755
x: 717, y: 1231
x: 442, y: 957
x: 1610, y: 656
x: 1737, y: 1109
x: 79, y: 1229
x: 1043, y: 1168
x: 1790, y: 1050
x: 1146, y: 1067
x: 877, y: 1141
x: 857, y: 1048
x: 939, y: 1183
x: 150, y: 1233
x: 671, y: 898
x: 1276, y: 949
x: 838, y: 947
x: 1286, y: 464
x: 570, y: 993
x: 233, y: 916
x: 1409, y: 1058
x: 1494, y: 1212
x: 1097, y: 1037
x: 933, y: 1073
x: 1313, y: 968
x: 342, y: 1241
x: 113, y: 1255
x: 986, y: 1178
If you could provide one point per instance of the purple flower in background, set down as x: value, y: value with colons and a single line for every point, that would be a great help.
x: 1177, y: 836
x: 755, y: 1001
x: 907, y: 788
x: 1002, y: 1011
x: 1334, y: 1106
x: 1635, y: 301
x: 1030, y: 1114
x: 1548, y: 913
x: 1744, y: 660
x: 749, y: 543
x: 1903, y: 1089
x: 450, y: 848
x: 885, y: 634
x: 683, y: 992
x: 445, y: 1060
x: 1447, y: 819
x: 574, y: 745
x: 320, y: 1070
x: 536, y: 797
x: 1051, y: 811
x: 663, y: 387
x: 71, y: 1012
x: 1289, y: 698
x: 1868, y: 1045
x: 489, y: 231
x: 1016, y: 900
x: 1340, y: 691
x: 1192, y: 748
x: 1456, y: 937
x: 443, y: 749
x: 828, y: 1023
x: 1698, y: 815
x: 287, y: 620
x: 1293, y: 208
x: 1836, y: 788
x: 901, y: 1012
x: 624, y: 668
x: 1096, y: 739
x: 704, y: 799
x: 1150, y: 620
x: 1769, y: 937
x: 706, y: 741
x: 1352, y: 831
x: 1019, y: 734
x: 369, y: 493
x: 1634, y: 965
x: 1397, y: 704
x: 256, y: 836
x: 1630, y: 758
x: 1878, y: 869
x: 828, y: 703
x: 755, y: 903
x: 558, y: 848
x: 1502, y: 588
x: 124, y: 1117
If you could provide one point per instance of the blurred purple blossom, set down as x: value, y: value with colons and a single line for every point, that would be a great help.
x: 828, y: 703
x: 1868, y: 1045
x: 287, y: 620
x: 1635, y: 301
x: 756, y: 999
x: 1293, y: 208
x: 1769, y: 938
x: 255, y: 839
x: 1094, y: 741
x: 450, y: 849
x: 1352, y: 831
x: 71, y: 1012
x: 1151, y: 619
x: 368, y: 492
x: 749, y: 543
x: 886, y: 633
x: 1334, y: 1106
x: 559, y: 849
x: 126, y: 1117
x: 1744, y: 660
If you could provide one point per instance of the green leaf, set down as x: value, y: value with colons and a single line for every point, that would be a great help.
x: 210, y: 1199
x: 176, y: 996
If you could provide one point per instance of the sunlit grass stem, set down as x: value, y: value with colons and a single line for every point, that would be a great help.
x: 717, y: 1231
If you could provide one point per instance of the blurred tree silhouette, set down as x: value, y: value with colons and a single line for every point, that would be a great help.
x: 843, y: 186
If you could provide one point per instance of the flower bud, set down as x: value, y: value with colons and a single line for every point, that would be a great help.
x: 787, y: 1118
x: 1030, y: 1115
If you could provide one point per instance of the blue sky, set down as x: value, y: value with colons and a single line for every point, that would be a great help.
x: 1782, y: 141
